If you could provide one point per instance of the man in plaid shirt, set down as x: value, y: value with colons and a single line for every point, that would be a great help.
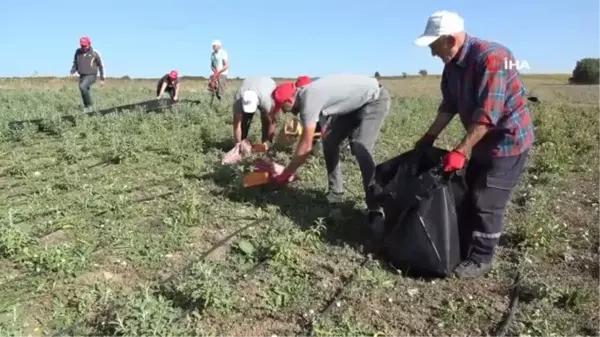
x: 490, y: 99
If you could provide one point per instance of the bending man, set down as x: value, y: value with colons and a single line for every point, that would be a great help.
x: 349, y: 106
x: 170, y: 84
x: 255, y: 94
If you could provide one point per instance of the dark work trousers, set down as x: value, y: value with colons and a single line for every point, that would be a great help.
x: 247, y: 121
x: 168, y: 89
x: 221, y: 84
x: 362, y: 127
x: 85, y: 83
x: 490, y: 184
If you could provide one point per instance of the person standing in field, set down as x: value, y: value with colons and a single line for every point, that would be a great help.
x: 490, y: 100
x: 170, y: 84
x: 355, y: 107
x: 87, y: 62
x: 255, y: 94
x: 219, y: 64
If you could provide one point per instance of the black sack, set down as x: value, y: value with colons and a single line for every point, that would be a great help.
x: 421, y: 205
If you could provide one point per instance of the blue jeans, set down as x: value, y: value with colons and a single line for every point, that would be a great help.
x: 85, y: 83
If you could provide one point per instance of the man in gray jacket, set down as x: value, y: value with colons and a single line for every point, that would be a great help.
x: 87, y: 62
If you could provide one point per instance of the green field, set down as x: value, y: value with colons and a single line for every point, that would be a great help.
x: 108, y: 226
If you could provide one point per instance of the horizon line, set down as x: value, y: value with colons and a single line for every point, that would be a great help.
x: 127, y: 77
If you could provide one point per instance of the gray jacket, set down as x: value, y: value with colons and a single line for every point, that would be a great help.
x: 88, y: 62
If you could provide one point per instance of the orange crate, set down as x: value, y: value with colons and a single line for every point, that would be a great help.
x: 256, y: 178
x: 259, y: 148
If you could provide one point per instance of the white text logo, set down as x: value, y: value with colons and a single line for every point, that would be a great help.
x: 516, y: 64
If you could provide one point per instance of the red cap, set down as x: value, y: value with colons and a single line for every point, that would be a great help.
x: 283, y: 93
x: 173, y: 74
x: 84, y: 41
x: 303, y: 80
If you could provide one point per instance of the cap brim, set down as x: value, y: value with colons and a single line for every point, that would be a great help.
x: 249, y: 108
x: 425, y: 40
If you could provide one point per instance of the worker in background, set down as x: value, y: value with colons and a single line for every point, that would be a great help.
x: 168, y: 83
x: 490, y: 100
x: 360, y: 105
x: 87, y: 63
x: 219, y: 65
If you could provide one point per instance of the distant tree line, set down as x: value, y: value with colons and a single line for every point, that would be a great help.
x: 587, y: 71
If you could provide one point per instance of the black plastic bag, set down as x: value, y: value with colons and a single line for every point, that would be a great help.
x: 421, y: 205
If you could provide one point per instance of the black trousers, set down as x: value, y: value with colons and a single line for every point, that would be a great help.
x: 169, y: 89
x: 490, y: 184
x: 247, y: 121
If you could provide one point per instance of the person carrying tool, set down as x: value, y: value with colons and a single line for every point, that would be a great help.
x: 359, y: 106
x: 491, y: 102
x: 169, y: 83
x: 87, y: 62
x: 219, y: 65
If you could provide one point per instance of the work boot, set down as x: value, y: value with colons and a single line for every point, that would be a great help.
x: 470, y: 269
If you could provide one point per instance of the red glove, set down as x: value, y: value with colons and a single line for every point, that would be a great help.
x: 454, y: 160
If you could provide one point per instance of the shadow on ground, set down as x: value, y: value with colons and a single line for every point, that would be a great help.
x: 302, y: 206
x: 221, y: 144
x: 150, y: 106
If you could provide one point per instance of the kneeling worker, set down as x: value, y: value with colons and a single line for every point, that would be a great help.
x: 254, y: 94
x: 170, y: 84
x: 360, y: 105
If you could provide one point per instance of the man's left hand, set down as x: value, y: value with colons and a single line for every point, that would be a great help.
x: 455, y: 160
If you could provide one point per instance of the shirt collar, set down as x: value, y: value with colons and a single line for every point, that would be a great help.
x: 461, y: 59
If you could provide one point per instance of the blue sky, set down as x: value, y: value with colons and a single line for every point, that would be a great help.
x: 147, y: 38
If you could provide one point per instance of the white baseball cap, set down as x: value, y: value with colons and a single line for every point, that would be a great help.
x: 216, y: 43
x: 440, y: 23
x: 249, y: 101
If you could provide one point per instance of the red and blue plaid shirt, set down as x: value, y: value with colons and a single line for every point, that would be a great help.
x: 482, y: 87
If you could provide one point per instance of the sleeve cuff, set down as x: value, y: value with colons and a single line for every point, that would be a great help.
x: 485, y: 117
